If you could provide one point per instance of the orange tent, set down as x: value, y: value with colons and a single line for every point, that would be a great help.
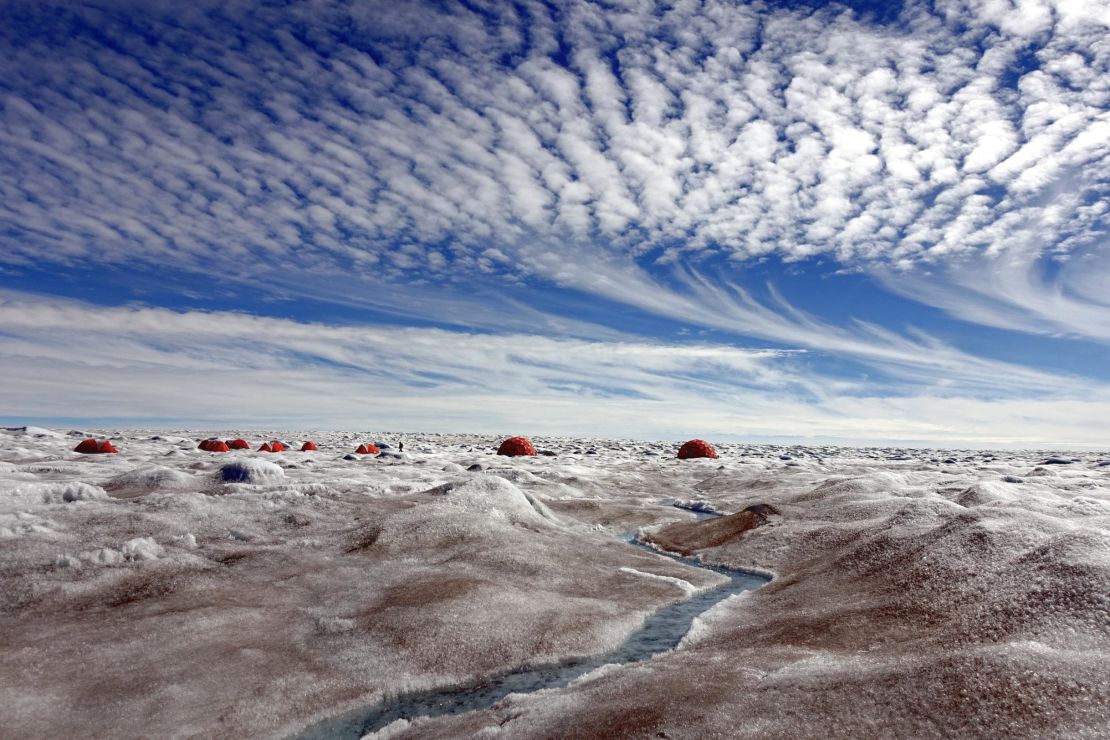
x: 516, y: 446
x: 309, y: 447
x: 696, y: 448
x: 92, y: 447
x: 88, y: 447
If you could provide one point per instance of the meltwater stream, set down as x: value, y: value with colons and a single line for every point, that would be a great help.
x: 662, y: 631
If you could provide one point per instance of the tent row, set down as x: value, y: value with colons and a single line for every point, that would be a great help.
x: 522, y: 446
x: 511, y: 447
x: 217, y: 445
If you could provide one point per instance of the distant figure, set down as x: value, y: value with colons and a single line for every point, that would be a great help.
x: 400, y: 446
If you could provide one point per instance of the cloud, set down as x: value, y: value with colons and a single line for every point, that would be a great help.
x: 137, y: 364
x: 914, y: 357
x: 411, y: 143
x: 1024, y: 287
x: 440, y: 162
x: 213, y: 346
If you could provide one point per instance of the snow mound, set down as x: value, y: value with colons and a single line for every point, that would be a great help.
x: 140, y: 548
x: 515, y: 475
x: 53, y: 493
x: 148, y: 478
x: 1039, y: 472
x: 70, y: 492
x: 878, y: 484
x: 250, y: 471
x: 986, y: 492
x: 497, y: 498
x: 187, y: 541
x: 23, y: 523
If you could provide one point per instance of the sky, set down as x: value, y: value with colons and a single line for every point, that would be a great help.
x: 849, y: 223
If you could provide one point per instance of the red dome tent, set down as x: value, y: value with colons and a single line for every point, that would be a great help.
x: 87, y: 447
x: 216, y: 445
x: 276, y: 446
x: 92, y: 447
x: 265, y: 447
x: 309, y: 446
x: 696, y: 448
x: 367, y: 450
x: 238, y: 444
x: 516, y: 446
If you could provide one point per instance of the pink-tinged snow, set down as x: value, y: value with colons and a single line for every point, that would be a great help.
x: 171, y: 592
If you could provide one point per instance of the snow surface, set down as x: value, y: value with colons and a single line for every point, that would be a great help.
x: 167, y: 591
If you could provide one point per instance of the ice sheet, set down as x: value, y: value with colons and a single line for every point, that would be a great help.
x: 917, y: 592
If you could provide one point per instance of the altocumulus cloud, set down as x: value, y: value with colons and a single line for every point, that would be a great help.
x: 956, y: 151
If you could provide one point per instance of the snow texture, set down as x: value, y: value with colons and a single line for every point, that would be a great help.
x: 147, y: 479
x: 165, y: 591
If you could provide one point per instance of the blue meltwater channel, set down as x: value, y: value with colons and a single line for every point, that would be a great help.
x: 662, y: 631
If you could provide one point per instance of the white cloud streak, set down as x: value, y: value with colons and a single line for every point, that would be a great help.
x: 66, y: 359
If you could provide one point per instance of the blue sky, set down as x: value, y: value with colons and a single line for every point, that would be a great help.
x: 861, y: 223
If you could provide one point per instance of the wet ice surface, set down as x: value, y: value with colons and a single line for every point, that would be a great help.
x: 661, y: 631
x: 159, y: 592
